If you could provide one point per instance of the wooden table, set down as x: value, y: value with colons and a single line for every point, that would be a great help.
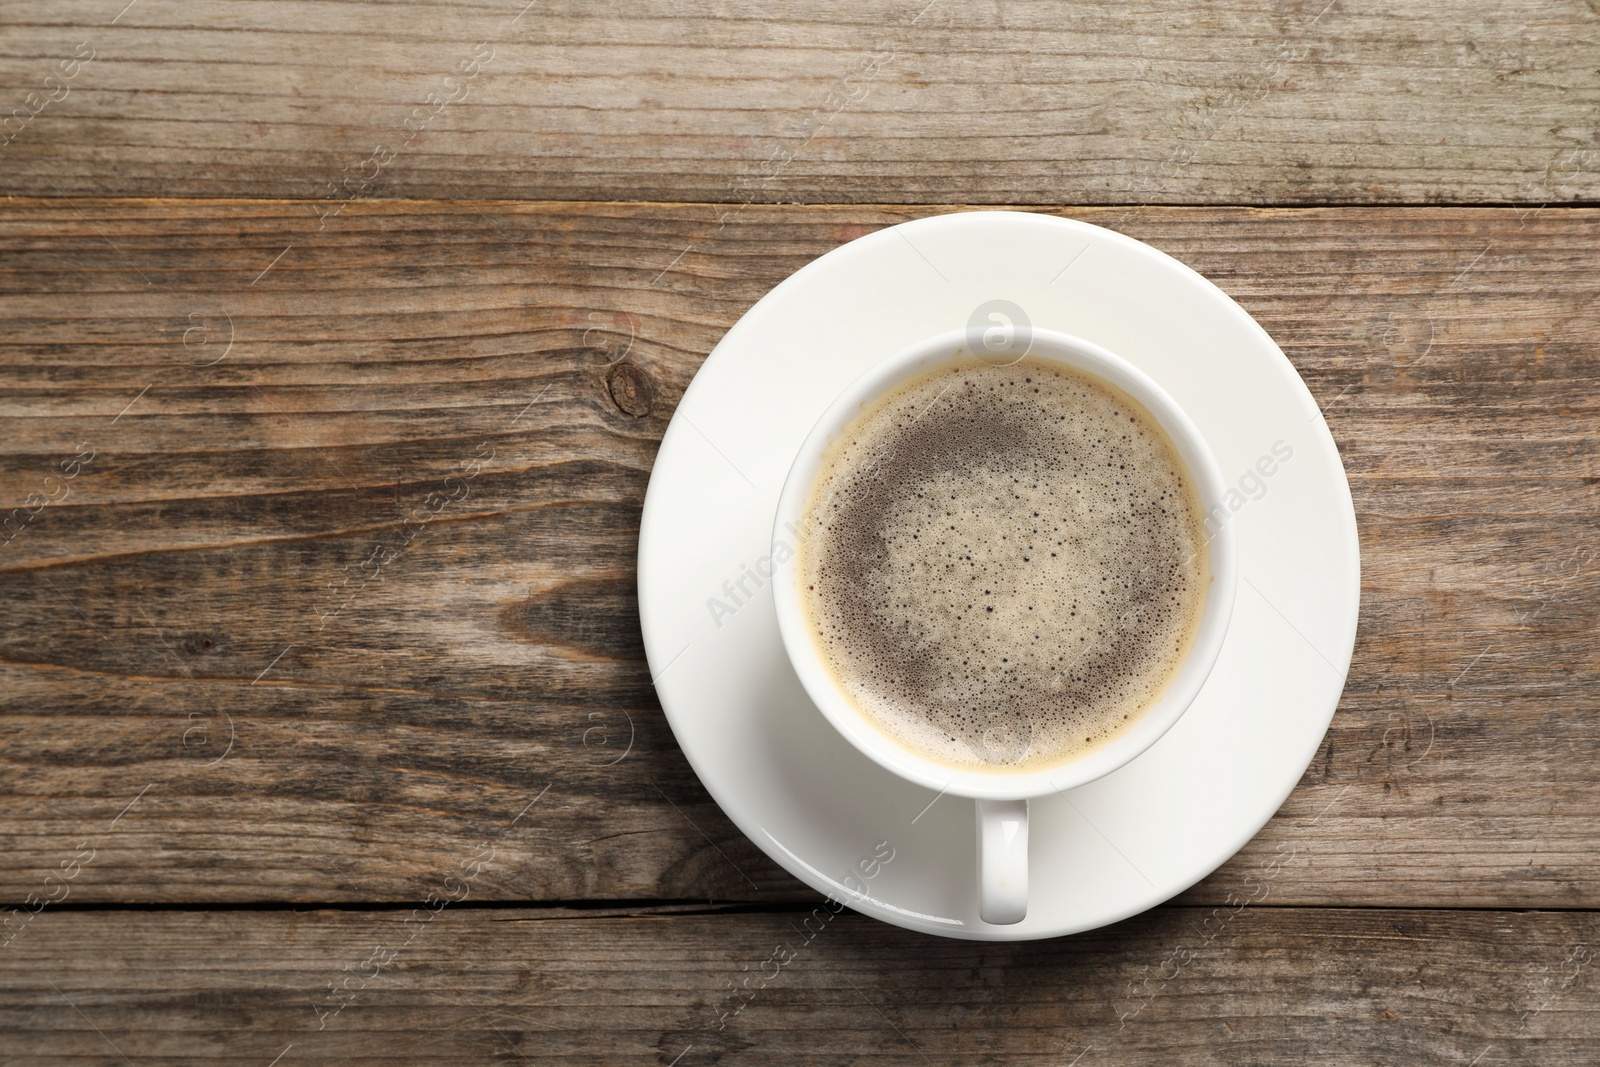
x: 338, y: 339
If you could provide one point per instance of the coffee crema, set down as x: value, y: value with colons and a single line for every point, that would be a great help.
x: 1003, y: 566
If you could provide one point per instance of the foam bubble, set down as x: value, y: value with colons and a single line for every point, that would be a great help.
x: 1003, y: 565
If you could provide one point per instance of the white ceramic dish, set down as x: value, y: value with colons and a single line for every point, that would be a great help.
x: 829, y: 814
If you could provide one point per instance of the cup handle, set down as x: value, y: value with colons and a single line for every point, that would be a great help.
x: 1002, y: 861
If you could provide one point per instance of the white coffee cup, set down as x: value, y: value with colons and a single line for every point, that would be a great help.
x: 1002, y: 797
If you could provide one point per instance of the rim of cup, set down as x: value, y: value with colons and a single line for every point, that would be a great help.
x: 1180, y: 690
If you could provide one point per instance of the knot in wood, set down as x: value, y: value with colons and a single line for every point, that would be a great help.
x: 630, y: 389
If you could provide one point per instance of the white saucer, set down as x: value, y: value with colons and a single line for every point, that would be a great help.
x: 800, y: 791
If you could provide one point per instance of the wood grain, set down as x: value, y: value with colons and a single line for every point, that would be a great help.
x: 286, y: 544
x: 904, y: 101
x: 1178, y: 985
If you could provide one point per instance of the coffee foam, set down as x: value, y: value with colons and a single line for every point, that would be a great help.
x: 1003, y: 566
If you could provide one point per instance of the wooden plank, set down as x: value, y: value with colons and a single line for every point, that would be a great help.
x: 1177, y: 985
x: 905, y: 101
x: 211, y: 574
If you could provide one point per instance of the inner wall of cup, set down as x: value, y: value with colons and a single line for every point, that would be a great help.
x: 838, y: 706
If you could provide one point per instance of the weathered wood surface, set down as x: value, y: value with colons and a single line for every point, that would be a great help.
x: 1266, y: 986
x: 234, y: 565
x: 904, y: 101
